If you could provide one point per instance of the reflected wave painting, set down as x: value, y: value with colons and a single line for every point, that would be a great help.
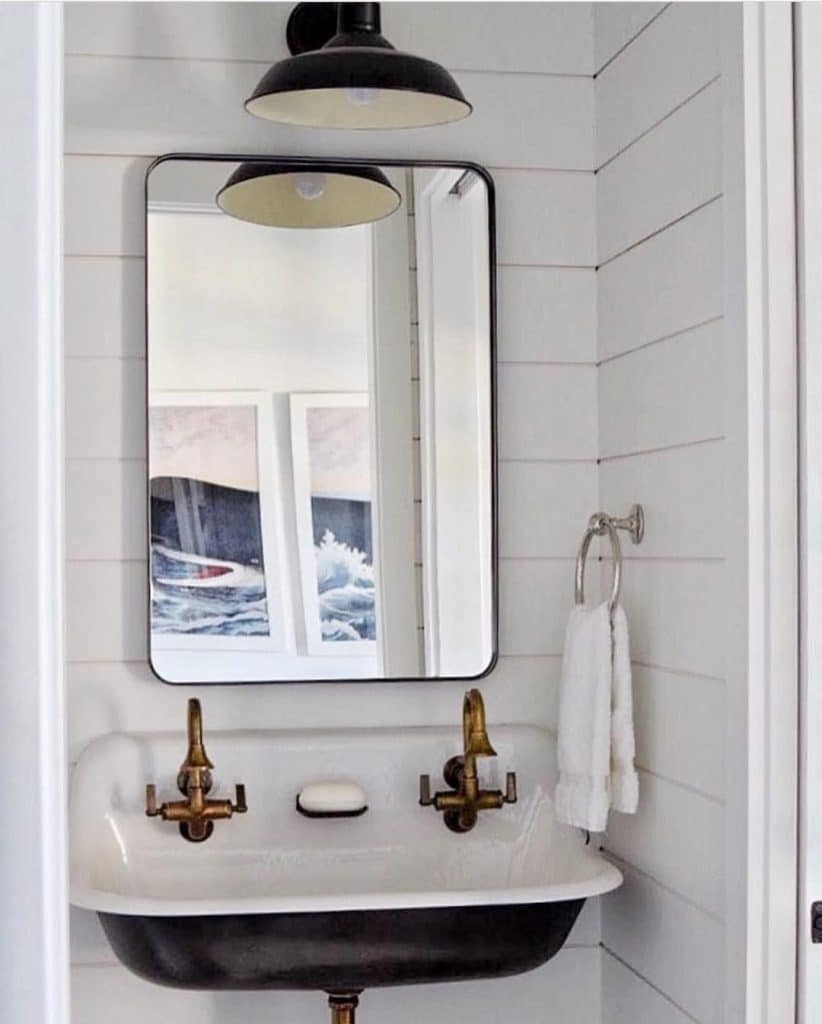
x: 339, y: 458
x: 207, y: 571
x: 205, y: 597
x: 345, y: 582
x: 331, y: 456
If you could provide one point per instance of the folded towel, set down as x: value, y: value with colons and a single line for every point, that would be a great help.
x: 596, y: 734
x: 624, y: 781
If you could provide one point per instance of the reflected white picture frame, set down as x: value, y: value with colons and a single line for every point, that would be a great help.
x: 281, y: 638
x: 299, y: 404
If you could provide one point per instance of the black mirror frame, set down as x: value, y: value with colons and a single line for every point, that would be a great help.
x: 290, y: 161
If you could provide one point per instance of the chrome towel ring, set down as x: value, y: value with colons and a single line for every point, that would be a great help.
x: 599, y: 525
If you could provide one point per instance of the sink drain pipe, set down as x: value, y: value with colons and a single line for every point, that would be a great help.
x: 343, y: 1006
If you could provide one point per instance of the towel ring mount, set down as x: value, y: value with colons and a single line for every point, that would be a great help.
x: 599, y: 525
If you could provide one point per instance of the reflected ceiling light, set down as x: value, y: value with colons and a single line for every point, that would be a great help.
x: 308, y: 195
x: 354, y: 78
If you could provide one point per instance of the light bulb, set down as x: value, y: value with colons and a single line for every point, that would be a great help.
x: 310, y: 185
x: 361, y: 97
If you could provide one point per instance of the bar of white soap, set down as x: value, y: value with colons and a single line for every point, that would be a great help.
x: 332, y: 797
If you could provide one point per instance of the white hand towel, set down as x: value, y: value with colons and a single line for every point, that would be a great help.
x: 596, y: 738
x: 624, y: 781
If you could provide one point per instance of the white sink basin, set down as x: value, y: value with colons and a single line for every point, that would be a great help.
x: 274, y: 876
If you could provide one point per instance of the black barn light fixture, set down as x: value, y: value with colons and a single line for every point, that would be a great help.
x: 345, y: 74
x: 311, y: 195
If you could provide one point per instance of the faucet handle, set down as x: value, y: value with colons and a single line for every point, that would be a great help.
x: 239, y: 806
x: 510, y: 788
x: 425, y: 791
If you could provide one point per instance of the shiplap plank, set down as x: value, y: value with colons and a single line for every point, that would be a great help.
x: 114, y: 628
x: 106, y: 611
x: 674, y: 57
x: 209, y: 31
x: 104, y: 306
x: 677, y: 947
x: 675, y: 613
x: 666, y: 174
x: 676, y: 837
x: 118, y: 696
x: 104, y: 205
x: 521, y: 688
x: 544, y: 507
x: 144, y: 107
x: 547, y: 314
x: 105, y: 408
x: 564, y: 983
x: 554, y: 38
x: 101, y: 991
x: 676, y: 715
x: 629, y: 999
x: 89, y: 944
x: 105, y: 509
x: 670, y: 282
x: 587, y: 930
x: 616, y: 24
x: 547, y: 412
x: 535, y: 596
x: 546, y: 218
x: 671, y: 485
x: 669, y: 393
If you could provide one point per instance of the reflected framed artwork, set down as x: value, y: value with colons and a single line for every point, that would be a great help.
x: 215, y: 553
x: 331, y: 459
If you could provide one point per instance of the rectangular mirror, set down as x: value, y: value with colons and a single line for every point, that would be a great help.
x: 321, y: 424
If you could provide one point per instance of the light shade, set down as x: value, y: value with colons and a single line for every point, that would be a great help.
x: 308, y: 195
x: 357, y: 80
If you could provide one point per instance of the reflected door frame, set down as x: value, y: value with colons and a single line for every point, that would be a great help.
x: 394, y: 447
x: 452, y: 529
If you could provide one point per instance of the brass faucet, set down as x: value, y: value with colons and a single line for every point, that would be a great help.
x: 196, y: 815
x: 463, y: 802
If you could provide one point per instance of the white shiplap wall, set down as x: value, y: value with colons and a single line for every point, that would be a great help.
x: 661, y: 397
x: 142, y: 79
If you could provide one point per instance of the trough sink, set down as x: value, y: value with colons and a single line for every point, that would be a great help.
x: 276, y: 900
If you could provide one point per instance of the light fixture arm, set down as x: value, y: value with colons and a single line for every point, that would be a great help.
x: 358, y: 18
x: 312, y: 26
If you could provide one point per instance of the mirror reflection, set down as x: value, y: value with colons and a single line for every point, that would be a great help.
x: 321, y: 439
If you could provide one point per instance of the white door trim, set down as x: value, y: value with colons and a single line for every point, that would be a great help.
x: 762, y: 512
x: 809, y: 169
x: 33, y: 843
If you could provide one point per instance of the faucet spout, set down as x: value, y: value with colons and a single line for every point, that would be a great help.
x: 474, y: 733
x: 194, y: 775
x: 196, y: 756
